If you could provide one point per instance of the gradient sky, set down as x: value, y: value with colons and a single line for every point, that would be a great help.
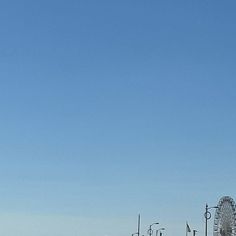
x: 114, y: 108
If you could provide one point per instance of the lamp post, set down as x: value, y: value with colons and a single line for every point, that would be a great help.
x: 207, y: 216
x: 150, y: 229
x: 159, y: 230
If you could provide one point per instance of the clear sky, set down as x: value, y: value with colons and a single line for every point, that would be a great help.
x: 113, y: 108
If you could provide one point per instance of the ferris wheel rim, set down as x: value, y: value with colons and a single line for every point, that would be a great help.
x: 225, y: 214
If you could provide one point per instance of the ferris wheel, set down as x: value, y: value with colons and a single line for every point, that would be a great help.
x: 225, y: 218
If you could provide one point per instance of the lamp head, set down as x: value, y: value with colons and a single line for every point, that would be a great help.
x: 154, y: 224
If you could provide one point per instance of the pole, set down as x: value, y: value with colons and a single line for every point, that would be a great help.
x: 150, y: 230
x: 138, y: 224
x: 206, y: 219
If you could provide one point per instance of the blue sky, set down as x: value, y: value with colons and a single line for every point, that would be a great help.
x: 114, y: 108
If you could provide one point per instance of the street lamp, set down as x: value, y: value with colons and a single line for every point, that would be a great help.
x: 207, y: 216
x: 159, y: 230
x: 150, y: 231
